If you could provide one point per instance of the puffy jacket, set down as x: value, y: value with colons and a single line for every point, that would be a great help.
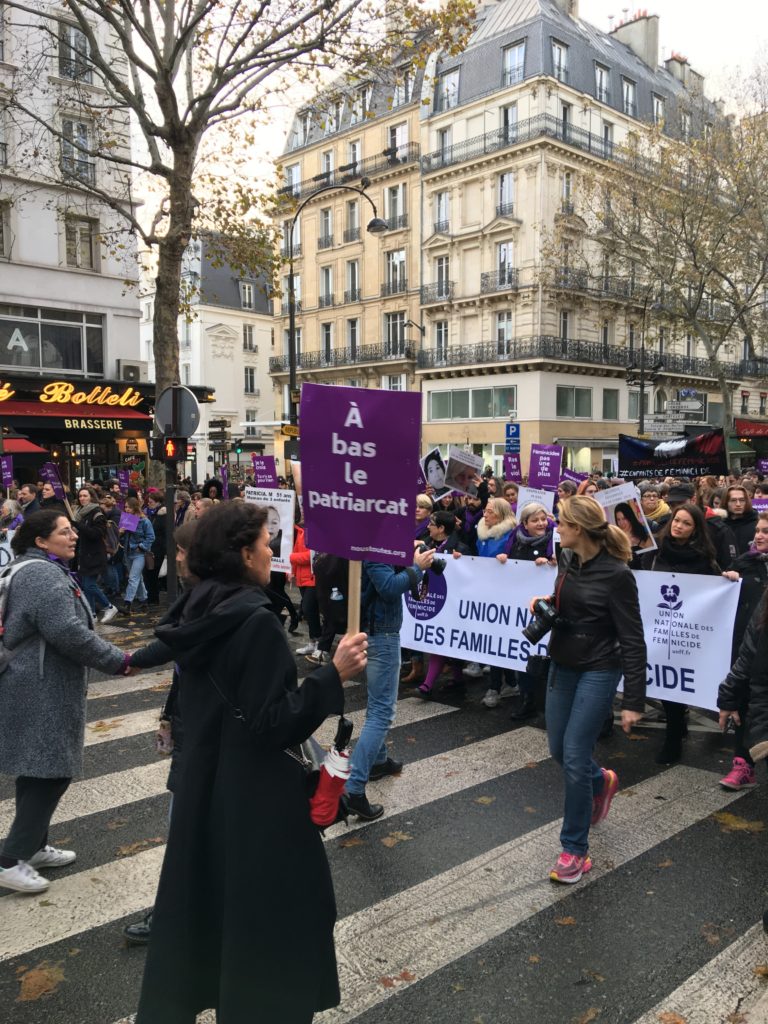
x: 301, y: 561
x: 602, y: 627
x: 749, y: 669
x: 493, y: 540
x: 382, y: 590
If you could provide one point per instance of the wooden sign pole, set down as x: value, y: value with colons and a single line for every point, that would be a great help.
x: 353, y: 597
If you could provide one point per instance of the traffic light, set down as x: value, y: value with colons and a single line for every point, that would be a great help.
x: 168, y: 449
x: 238, y: 446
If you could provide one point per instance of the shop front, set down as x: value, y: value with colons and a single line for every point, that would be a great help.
x: 88, y: 428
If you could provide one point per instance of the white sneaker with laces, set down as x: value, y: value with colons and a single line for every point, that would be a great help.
x: 51, y: 857
x: 309, y: 648
x: 491, y: 698
x: 319, y: 658
x: 473, y: 670
x: 509, y: 691
x: 23, y: 878
x: 108, y: 614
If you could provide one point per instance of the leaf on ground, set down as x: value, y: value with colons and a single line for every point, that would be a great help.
x: 389, y: 981
x: 761, y: 971
x: 589, y: 1015
x: 485, y: 800
x: 565, y: 921
x: 105, y: 726
x: 40, y: 981
x: 665, y: 863
x: 636, y: 738
x: 351, y: 841
x: 74, y: 952
x: 161, y: 687
x: 396, y: 837
x: 410, y: 739
x: 711, y: 933
x: 457, y: 986
x: 142, y: 844
x: 450, y: 775
x: 529, y: 810
x: 733, y: 823
x: 46, y: 903
x: 588, y: 976
x: 531, y: 764
x: 671, y: 1018
x: 406, y: 975
x: 534, y: 958
x: 116, y: 823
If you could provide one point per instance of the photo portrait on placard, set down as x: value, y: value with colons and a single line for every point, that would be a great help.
x: 279, y: 506
x: 433, y: 468
x: 622, y: 508
x: 461, y: 470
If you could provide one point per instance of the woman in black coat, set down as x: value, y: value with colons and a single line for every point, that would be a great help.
x: 91, y: 526
x: 245, y: 909
x: 741, y: 517
x: 685, y: 547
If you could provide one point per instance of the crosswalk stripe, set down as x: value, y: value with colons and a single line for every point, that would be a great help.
x: 423, y: 929
x: 102, y: 730
x: 723, y: 990
x: 118, y: 686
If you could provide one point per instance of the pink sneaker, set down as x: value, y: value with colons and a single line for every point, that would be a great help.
x: 741, y: 775
x: 570, y: 867
x: 602, y: 803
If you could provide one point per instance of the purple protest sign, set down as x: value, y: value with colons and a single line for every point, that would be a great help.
x: 225, y: 482
x: 50, y: 471
x: 359, y: 458
x: 761, y: 465
x: 6, y: 468
x: 544, y: 471
x: 124, y: 479
x: 128, y: 522
x: 760, y: 504
x: 513, y: 471
x: 264, y: 471
x: 573, y: 476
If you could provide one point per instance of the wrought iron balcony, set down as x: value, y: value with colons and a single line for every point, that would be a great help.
x: 396, y: 286
x: 560, y: 72
x: 81, y: 170
x: 285, y: 307
x: 571, y: 278
x: 513, y: 75
x: 441, y: 227
x: 285, y: 251
x: 603, y: 95
x: 352, y: 295
x: 325, y: 300
x: 325, y: 241
x: 505, y: 209
x: 501, y: 280
x: 441, y: 291
x: 352, y: 234
x: 368, y: 168
x: 397, y: 223
x: 351, y: 356
x: 566, y: 207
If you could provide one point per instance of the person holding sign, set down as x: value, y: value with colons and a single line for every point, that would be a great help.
x: 597, y: 634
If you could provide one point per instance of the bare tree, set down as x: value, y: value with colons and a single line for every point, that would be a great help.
x: 190, y: 75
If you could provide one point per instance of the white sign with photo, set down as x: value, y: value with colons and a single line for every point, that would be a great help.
x: 622, y: 507
x: 462, y: 469
x: 526, y: 495
x: 279, y: 505
x: 433, y: 471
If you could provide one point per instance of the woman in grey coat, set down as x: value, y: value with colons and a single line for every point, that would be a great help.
x: 48, y: 624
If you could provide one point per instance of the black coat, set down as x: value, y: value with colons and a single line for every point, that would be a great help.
x: 743, y: 529
x: 92, y: 543
x: 245, y: 909
x: 734, y: 691
x: 753, y: 569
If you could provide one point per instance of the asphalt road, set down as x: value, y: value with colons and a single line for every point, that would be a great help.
x: 445, y: 901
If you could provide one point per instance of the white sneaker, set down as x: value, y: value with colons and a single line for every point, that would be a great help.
x: 509, y: 691
x: 319, y: 658
x: 491, y: 698
x: 108, y: 614
x: 473, y: 670
x: 51, y: 857
x: 486, y: 670
x: 23, y: 878
x: 309, y: 648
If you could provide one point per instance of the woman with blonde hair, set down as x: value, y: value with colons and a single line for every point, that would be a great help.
x: 597, y: 638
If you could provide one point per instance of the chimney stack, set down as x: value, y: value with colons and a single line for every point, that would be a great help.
x: 641, y: 35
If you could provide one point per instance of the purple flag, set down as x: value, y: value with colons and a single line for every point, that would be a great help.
x: 544, y: 471
x: 128, y: 522
x: 50, y: 471
x: 264, y: 471
x: 513, y: 472
x: 124, y: 478
x: 761, y: 465
x: 6, y: 467
x: 574, y: 477
x: 360, y: 456
x: 225, y: 482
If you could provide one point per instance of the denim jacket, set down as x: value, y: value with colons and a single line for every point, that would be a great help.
x: 382, y: 591
x: 141, y: 541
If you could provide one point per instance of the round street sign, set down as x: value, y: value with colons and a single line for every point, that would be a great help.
x: 187, y: 410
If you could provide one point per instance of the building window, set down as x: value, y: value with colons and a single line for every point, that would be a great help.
x: 514, y: 63
x: 394, y: 334
x: 447, y: 95
x: 560, y: 61
x: 287, y: 344
x: 403, y: 87
x: 250, y: 423
x: 441, y: 341
x: 685, y: 125
x: 354, y: 154
x: 486, y: 403
x: 509, y: 122
x: 629, y: 97
x: 396, y: 280
x: 602, y: 78
x: 51, y: 339
x: 393, y: 382
x: 246, y: 294
x: 293, y: 179
x: 658, y: 109
x: 353, y: 337
x: 81, y: 243
x: 352, y: 293
x: 504, y: 332
x: 75, y: 148
x: 505, y: 263
x: 505, y: 195
x: 326, y: 286
x: 305, y: 127
x: 326, y: 162
x: 443, y: 140
x: 326, y: 343
x: 398, y: 141
x: 5, y: 230
x: 605, y: 334
x: 573, y: 402
x: 74, y: 54
x: 249, y: 344
x: 361, y: 104
x: 763, y: 397
x: 631, y: 337
x: 565, y: 323
x: 634, y: 404
x: 443, y: 276
x: 442, y: 211
x: 394, y: 205
x: 249, y: 380
x: 744, y: 403
x: 185, y: 374
x: 610, y: 403
x: 662, y: 339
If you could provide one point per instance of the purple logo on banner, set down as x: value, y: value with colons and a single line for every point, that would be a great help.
x: 575, y: 478
x: 360, y: 456
x: 128, y: 522
x: 432, y: 603
x: 124, y: 479
x: 6, y: 467
x: 544, y: 469
x: 513, y: 472
x: 50, y: 471
x: 225, y: 482
x: 264, y: 471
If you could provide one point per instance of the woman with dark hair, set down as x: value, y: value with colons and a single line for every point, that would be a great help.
x: 49, y: 500
x: 240, y: 876
x: 91, y: 526
x: 627, y: 521
x: 48, y: 624
x: 156, y: 513
x: 434, y: 473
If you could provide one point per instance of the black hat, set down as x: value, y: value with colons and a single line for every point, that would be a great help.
x: 678, y: 494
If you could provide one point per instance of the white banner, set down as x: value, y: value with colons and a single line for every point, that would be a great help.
x: 279, y: 506
x: 478, y: 608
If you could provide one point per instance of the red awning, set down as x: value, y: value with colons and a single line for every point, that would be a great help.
x: 18, y: 446
x: 70, y: 410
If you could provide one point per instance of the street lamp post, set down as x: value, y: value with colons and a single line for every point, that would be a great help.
x: 376, y: 226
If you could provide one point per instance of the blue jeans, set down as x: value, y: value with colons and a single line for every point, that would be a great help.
x: 93, y: 592
x: 578, y: 702
x: 135, y: 586
x: 383, y: 675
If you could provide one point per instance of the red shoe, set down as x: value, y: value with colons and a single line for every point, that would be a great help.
x: 741, y: 775
x: 570, y: 867
x: 602, y: 803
